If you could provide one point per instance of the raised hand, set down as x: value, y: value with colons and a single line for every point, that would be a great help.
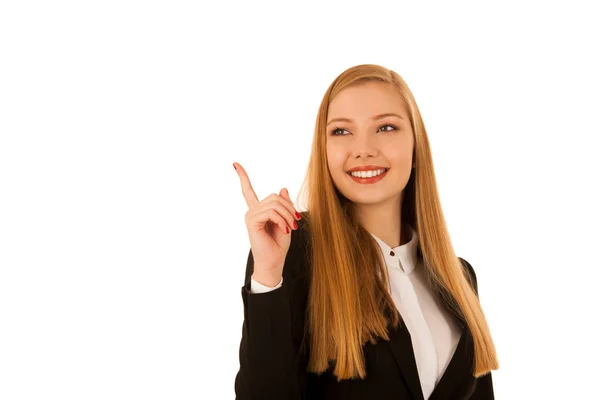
x: 269, y: 223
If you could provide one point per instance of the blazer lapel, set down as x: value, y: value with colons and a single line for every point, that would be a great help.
x: 462, y: 360
x: 455, y: 371
x: 401, y: 347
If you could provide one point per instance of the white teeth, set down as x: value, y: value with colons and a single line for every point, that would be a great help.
x: 367, y: 174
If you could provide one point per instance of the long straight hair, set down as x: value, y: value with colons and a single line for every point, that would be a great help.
x: 348, y: 300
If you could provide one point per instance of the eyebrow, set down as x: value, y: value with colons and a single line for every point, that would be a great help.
x: 380, y: 116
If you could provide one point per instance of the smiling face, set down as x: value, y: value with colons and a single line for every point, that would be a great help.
x: 358, y: 135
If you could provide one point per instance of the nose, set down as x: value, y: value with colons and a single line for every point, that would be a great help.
x: 363, y: 146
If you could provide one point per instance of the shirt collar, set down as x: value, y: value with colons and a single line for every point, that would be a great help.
x: 404, y: 255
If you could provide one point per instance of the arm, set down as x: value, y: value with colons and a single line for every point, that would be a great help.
x: 271, y: 364
x: 485, y: 387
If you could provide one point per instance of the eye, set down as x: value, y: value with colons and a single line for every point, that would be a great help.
x: 334, y: 131
x: 394, y: 127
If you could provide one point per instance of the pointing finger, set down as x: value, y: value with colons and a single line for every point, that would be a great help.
x: 248, y: 192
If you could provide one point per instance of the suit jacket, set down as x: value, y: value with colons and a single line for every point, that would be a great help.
x: 273, y: 360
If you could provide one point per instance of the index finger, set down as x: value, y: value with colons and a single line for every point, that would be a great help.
x: 247, y: 190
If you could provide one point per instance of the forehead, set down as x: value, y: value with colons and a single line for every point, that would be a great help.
x: 366, y: 99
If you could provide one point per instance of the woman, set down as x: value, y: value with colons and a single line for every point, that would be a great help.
x: 365, y: 299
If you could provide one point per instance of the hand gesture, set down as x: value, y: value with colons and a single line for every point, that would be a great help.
x: 269, y: 223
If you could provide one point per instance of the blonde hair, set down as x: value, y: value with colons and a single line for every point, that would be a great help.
x: 348, y: 301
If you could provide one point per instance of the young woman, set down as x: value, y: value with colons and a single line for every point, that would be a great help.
x: 361, y: 296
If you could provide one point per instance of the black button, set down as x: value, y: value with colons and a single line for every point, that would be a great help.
x: 392, y: 253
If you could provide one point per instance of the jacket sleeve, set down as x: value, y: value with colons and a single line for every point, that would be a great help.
x: 485, y: 387
x: 271, y: 363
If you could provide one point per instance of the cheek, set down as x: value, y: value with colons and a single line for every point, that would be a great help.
x: 399, y: 155
x: 336, y: 158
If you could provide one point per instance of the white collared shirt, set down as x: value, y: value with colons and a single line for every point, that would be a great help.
x: 434, y: 332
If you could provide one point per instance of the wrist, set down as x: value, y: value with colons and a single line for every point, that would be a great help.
x: 267, y: 279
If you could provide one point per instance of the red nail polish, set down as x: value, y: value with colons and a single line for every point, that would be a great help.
x: 295, y: 225
x: 287, y: 230
x: 297, y: 215
x: 234, y: 167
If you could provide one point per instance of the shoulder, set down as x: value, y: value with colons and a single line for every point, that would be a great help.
x: 470, y: 273
x: 301, y: 242
x: 301, y: 237
x: 298, y: 257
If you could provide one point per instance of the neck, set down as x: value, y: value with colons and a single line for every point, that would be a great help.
x: 384, y: 221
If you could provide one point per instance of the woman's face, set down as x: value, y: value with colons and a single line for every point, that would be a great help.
x: 362, y: 138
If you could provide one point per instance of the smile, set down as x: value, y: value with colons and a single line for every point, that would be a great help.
x: 372, y: 179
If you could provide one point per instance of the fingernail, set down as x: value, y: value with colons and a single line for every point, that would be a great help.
x: 295, y: 225
x: 234, y: 166
x: 297, y: 215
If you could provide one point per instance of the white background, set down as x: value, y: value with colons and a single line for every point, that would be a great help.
x: 123, y: 245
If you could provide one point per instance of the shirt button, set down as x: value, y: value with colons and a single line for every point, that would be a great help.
x: 392, y: 253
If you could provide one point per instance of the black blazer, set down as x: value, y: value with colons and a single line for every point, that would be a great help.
x: 273, y: 363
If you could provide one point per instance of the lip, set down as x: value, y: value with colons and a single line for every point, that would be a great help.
x: 366, y: 168
x: 368, y: 180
